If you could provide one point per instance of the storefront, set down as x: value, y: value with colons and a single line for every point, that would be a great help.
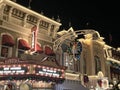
x: 72, y: 82
x: 70, y: 85
x: 17, y: 74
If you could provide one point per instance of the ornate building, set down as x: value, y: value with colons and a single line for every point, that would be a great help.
x: 27, y: 59
x: 35, y: 55
x: 31, y: 54
x: 99, y: 61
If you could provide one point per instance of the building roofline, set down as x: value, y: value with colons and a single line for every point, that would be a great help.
x: 29, y: 11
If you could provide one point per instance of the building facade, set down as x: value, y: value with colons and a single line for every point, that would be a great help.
x: 27, y: 58
x: 31, y: 54
x: 35, y: 55
x: 99, y: 61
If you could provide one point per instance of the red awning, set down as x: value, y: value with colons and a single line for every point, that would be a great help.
x: 7, y: 40
x: 23, y: 45
x: 49, y: 51
x: 39, y: 48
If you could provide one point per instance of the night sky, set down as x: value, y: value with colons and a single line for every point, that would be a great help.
x: 101, y: 15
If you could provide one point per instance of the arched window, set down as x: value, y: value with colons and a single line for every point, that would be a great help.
x: 7, y: 44
x: 97, y: 64
x: 22, y: 46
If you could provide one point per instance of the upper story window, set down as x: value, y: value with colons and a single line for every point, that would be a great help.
x: 44, y: 24
x: 18, y: 14
x: 7, y: 9
x: 5, y: 51
x: 52, y: 30
x: 32, y: 19
x: 7, y: 45
x: 97, y: 64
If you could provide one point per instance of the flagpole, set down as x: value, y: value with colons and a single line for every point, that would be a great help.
x: 29, y: 6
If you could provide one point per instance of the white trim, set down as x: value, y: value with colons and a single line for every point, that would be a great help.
x: 13, y: 4
x: 13, y: 29
x: 113, y: 60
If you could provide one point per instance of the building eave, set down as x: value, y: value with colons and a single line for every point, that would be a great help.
x: 20, y: 7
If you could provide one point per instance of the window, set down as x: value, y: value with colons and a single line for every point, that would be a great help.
x: 7, y: 45
x: 7, y: 9
x: 18, y: 14
x: 32, y: 19
x: 52, y: 30
x: 22, y: 47
x: 97, y: 64
x: 20, y: 52
x: 44, y: 24
x: 4, y: 51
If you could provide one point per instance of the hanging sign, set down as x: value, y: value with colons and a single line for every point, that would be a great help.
x: 34, y: 38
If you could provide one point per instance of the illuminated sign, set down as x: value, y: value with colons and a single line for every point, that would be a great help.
x: 51, y: 72
x: 13, y: 70
x: 34, y: 37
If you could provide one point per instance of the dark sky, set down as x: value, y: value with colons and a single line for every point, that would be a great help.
x: 101, y: 15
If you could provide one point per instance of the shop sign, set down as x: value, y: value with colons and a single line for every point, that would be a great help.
x: 48, y: 72
x: 13, y: 70
x: 34, y: 38
x: 13, y: 61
